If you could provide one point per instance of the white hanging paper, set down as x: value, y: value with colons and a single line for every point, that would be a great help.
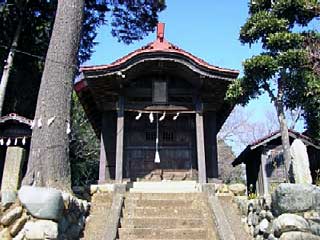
x: 39, y: 123
x: 33, y: 124
x: 68, y: 128
x: 162, y: 117
x: 8, y: 142
x: 139, y: 116
x: 176, y: 116
x: 151, y: 118
x: 16, y: 141
x: 24, y: 141
x: 50, y: 121
x: 1, y: 141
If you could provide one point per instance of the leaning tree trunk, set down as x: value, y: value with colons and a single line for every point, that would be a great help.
x: 49, y: 164
x: 283, y: 129
x: 9, y: 64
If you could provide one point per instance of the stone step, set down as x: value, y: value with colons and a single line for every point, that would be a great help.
x: 165, y: 196
x: 150, y: 238
x: 99, y: 206
x: 166, y: 187
x: 154, y: 233
x: 156, y: 212
x: 160, y: 203
x: 163, y: 223
x: 102, y: 197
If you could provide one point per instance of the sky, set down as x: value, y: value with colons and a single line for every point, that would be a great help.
x: 208, y: 29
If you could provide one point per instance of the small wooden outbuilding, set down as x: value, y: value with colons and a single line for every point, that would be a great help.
x: 15, y: 135
x: 265, y: 167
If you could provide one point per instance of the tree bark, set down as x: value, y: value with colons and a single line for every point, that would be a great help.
x: 283, y: 128
x: 49, y: 164
x: 9, y: 64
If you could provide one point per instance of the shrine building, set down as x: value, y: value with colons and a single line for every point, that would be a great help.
x: 157, y: 111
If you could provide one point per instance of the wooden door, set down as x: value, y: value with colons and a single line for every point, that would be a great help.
x: 176, y: 147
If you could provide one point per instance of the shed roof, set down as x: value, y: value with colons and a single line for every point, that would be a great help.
x: 271, y: 137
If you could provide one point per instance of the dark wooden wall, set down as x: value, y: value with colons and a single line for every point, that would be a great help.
x: 210, y: 136
x: 252, y: 169
x: 109, y: 128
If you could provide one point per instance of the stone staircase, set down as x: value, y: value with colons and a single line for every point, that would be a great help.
x: 95, y: 228
x: 166, y: 216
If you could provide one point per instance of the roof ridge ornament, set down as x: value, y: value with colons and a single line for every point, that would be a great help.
x: 160, y: 31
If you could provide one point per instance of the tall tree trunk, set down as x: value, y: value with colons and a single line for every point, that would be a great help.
x: 49, y: 164
x: 9, y: 64
x: 283, y: 128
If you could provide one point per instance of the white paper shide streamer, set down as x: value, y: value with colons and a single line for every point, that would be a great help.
x: 139, y: 116
x: 68, y: 128
x: 157, y: 155
x: 8, y: 142
x: 151, y: 118
x: 176, y: 116
x: 162, y: 117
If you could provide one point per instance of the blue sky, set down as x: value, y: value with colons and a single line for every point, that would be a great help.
x: 208, y: 29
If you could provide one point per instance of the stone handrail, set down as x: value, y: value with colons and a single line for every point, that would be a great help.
x: 114, y: 217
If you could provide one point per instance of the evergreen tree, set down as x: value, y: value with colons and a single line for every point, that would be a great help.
x: 49, y: 163
x: 283, y: 70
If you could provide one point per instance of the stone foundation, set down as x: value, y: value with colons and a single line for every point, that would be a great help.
x: 292, y: 213
x: 42, y: 213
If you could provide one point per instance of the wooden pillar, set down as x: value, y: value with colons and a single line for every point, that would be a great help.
x: 200, y: 145
x: 102, y: 162
x: 119, y: 146
x: 264, y: 174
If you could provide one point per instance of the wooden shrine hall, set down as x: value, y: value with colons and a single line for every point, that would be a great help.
x: 157, y: 111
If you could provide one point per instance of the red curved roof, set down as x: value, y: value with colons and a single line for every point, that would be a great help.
x: 160, y: 45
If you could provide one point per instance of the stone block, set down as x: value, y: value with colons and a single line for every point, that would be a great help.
x: 18, y: 225
x: 41, y: 229
x: 15, y: 157
x: 289, y: 222
x: 238, y: 189
x: 8, y: 196
x: 314, y: 226
x: 5, y: 234
x: 298, y: 236
x: 11, y: 216
x: 293, y: 198
x: 43, y: 203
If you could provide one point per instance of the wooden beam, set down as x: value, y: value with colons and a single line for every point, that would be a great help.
x: 200, y: 145
x: 119, y: 146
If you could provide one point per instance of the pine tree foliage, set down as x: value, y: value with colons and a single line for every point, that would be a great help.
x: 286, y: 69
